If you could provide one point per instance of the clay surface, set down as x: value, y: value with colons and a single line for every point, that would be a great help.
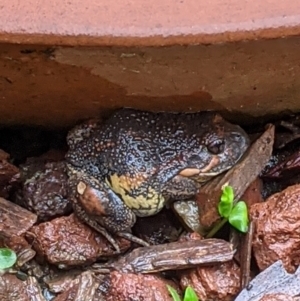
x: 144, y: 22
x: 58, y: 86
x: 240, y: 57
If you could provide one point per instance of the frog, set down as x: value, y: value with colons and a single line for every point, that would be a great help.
x: 135, y: 162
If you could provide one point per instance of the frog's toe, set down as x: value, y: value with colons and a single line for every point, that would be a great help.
x: 81, y: 214
x: 133, y: 238
x: 104, y: 232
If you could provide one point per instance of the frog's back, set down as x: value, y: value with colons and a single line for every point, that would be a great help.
x: 139, y: 136
x: 159, y: 125
x: 137, y: 142
x: 165, y: 130
x: 133, y: 141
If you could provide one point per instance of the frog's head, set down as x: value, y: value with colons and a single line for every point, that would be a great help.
x: 218, y: 148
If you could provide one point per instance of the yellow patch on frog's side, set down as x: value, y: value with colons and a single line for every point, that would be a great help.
x: 142, y: 206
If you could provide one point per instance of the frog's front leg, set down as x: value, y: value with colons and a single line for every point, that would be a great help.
x: 180, y: 188
x: 99, y: 207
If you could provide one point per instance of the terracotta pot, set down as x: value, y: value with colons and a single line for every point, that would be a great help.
x: 237, y: 56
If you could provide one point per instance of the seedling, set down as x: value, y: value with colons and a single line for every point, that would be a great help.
x: 7, y: 258
x: 189, y: 294
x: 235, y: 214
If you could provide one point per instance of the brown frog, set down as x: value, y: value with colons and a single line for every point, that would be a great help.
x: 136, y: 161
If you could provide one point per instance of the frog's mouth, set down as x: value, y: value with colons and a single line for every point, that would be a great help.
x: 205, y: 171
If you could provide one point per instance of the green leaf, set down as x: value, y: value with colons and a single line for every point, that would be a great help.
x: 173, y: 293
x: 190, y: 295
x: 228, y: 193
x: 239, y: 217
x: 7, y: 258
x: 226, y: 203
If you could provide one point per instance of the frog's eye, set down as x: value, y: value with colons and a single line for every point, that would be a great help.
x: 216, y: 146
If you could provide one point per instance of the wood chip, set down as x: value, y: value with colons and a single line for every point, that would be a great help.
x: 173, y: 256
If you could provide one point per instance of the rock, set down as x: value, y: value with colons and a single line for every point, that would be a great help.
x: 83, y: 287
x: 65, y: 242
x: 45, y: 189
x: 277, y: 229
x: 13, y: 289
x: 62, y: 280
x: 220, y: 282
x: 188, y: 213
x: 135, y: 287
